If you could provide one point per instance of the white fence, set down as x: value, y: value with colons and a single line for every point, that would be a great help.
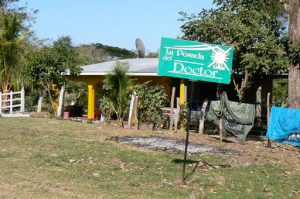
x: 12, y: 102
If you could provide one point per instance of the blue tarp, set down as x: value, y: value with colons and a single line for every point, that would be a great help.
x: 284, y: 126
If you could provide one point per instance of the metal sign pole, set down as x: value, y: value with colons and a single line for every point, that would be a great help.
x: 188, y: 129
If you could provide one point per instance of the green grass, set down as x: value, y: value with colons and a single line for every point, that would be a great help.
x: 41, y: 158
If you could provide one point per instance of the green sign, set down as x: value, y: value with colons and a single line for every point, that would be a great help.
x: 195, y: 60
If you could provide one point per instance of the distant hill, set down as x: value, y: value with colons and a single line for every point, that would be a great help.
x: 95, y: 53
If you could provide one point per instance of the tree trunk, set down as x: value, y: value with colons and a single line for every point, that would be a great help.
x: 240, y: 89
x: 61, y: 101
x: 40, y: 103
x: 293, y: 9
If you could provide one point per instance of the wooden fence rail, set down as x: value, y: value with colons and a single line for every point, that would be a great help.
x: 12, y: 102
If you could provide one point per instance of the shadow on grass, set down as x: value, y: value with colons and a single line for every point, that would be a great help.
x: 200, y: 165
x: 180, y: 161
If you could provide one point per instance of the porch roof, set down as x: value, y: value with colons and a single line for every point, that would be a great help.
x: 137, y: 67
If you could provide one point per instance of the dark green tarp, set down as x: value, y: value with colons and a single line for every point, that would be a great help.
x: 238, y: 118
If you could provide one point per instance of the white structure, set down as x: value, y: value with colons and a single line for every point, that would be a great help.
x: 137, y: 67
x: 12, y: 103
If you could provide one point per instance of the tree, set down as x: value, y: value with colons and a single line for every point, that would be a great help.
x: 293, y: 10
x: 255, y: 29
x: 46, y: 65
x: 13, y: 35
x: 116, y: 90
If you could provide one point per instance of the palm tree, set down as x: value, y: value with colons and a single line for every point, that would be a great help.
x: 10, y: 47
x: 117, y: 84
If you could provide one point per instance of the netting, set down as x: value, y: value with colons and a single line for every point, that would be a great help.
x: 238, y: 118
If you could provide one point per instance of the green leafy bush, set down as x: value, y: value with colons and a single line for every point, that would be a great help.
x: 116, y: 92
x: 280, y: 92
x: 150, y: 100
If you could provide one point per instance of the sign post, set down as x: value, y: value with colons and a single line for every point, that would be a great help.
x: 195, y: 61
x: 188, y: 129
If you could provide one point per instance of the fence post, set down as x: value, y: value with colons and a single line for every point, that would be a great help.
x: 40, y: 102
x: 135, y: 110
x: 11, y: 102
x: 22, y: 100
x: 61, y: 101
x: 172, y: 109
x: 0, y: 103
x: 202, y: 117
x: 131, y: 109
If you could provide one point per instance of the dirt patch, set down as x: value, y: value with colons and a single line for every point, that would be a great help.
x: 169, y: 144
x: 253, y: 151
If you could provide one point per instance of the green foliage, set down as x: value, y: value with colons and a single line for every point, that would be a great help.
x: 115, y: 51
x: 116, y: 91
x: 13, y: 37
x: 153, y: 55
x: 76, y: 93
x: 95, y: 53
x: 183, y: 115
x: 107, y: 108
x: 31, y: 98
x: 67, y: 55
x: 294, y: 52
x: 45, y: 66
x: 256, y: 30
x: 280, y: 92
x: 150, y: 100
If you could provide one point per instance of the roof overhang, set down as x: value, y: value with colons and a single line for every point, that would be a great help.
x: 137, y: 67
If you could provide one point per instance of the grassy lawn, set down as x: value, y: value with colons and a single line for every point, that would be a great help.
x: 44, y: 158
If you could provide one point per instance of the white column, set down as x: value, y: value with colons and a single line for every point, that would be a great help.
x: 40, y: 102
x: 60, y: 101
x: 22, y: 100
x: 11, y: 102
x: 131, y: 109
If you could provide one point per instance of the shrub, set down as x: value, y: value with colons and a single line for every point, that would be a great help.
x: 150, y: 100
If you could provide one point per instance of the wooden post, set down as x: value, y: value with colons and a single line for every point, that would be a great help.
x: 40, y: 102
x: 131, y: 109
x: 176, y: 113
x: 60, y: 101
x: 268, y: 116
x: 135, y: 109
x: 188, y: 130
x: 221, y: 128
x: 22, y: 100
x: 0, y: 103
x: 219, y: 91
x: 172, y: 109
x: 202, y: 117
x: 258, y: 106
x: 268, y: 108
x: 11, y: 102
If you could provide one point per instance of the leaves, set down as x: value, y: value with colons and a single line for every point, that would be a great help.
x: 12, y: 39
x: 151, y: 99
x: 45, y: 66
x: 116, y: 91
x: 256, y: 30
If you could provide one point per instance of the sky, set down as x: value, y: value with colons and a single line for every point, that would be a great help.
x: 112, y: 22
